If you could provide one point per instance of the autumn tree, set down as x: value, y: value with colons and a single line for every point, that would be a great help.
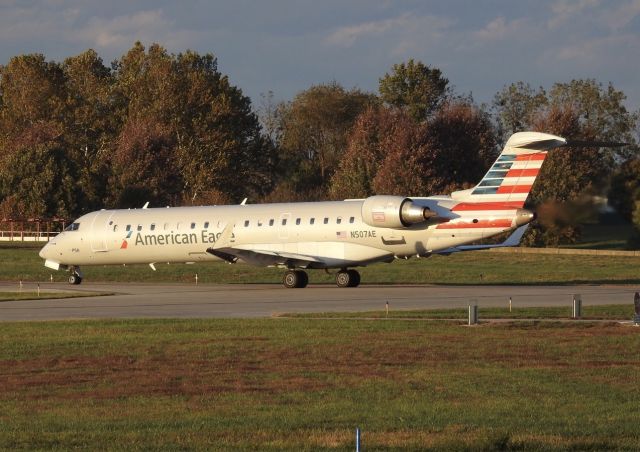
x: 415, y: 87
x: 599, y: 108
x: 90, y: 125
x: 515, y: 106
x: 217, y: 150
x: 374, y: 136
x: 390, y: 153
x: 314, y: 129
x: 568, y: 178
x: 155, y: 127
x: 32, y: 91
x: 580, y: 109
x: 464, y: 140
x: 36, y: 176
x: 625, y: 188
x: 220, y: 147
x: 143, y: 165
x: 37, y: 179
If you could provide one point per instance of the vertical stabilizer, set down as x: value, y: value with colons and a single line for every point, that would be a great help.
x: 509, y: 180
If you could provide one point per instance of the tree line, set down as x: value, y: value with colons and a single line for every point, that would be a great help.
x: 171, y: 129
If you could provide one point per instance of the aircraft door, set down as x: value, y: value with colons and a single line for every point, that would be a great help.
x: 100, y: 230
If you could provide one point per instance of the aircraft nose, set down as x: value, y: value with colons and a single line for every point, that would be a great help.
x: 45, y: 251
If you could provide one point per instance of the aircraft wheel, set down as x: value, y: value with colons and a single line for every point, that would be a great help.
x: 294, y: 279
x: 74, y: 279
x: 343, y: 278
x: 304, y: 279
x: 348, y: 278
x: 354, y: 278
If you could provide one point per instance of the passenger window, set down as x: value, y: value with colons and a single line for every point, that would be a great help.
x: 351, y: 220
x: 193, y: 225
x: 284, y: 221
x: 115, y: 227
x: 139, y: 227
x: 271, y: 222
x: 312, y: 220
x: 206, y: 225
x: 338, y: 220
x: 166, y: 226
x: 259, y: 223
x: 246, y: 223
x: 153, y: 226
x: 128, y: 227
x: 297, y: 221
x: 326, y: 220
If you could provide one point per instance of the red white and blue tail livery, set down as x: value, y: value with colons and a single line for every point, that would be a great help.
x: 496, y: 204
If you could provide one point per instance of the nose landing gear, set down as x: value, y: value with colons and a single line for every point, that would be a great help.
x: 75, y: 277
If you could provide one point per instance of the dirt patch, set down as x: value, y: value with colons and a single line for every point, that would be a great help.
x: 257, y: 364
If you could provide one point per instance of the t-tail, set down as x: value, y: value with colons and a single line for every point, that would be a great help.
x: 508, y: 182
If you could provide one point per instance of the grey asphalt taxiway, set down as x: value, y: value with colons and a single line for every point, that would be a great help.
x: 264, y: 300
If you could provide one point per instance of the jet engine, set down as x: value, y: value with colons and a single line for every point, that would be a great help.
x: 393, y: 212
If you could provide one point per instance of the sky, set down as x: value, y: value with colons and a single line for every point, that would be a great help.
x: 286, y: 46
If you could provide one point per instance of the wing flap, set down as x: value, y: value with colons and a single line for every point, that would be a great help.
x: 264, y: 257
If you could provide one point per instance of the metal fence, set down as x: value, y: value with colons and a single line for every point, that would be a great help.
x: 30, y: 230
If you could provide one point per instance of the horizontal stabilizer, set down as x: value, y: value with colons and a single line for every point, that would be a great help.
x: 512, y: 240
x: 594, y: 144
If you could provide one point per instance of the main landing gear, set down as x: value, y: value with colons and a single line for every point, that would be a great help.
x: 299, y: 278
x: 295, y: 279
x: 347, y: 278
x: 75, y: 277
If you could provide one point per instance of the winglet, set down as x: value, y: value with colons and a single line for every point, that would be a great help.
x: 226, y: 237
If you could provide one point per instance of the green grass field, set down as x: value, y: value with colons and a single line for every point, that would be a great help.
x: 589, y: 312
x: 305, y: 384
x: 478, y: 267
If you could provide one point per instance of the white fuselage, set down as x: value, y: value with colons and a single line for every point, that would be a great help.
x: 331, y: 234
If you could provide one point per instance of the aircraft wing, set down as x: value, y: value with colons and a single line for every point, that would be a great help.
x: 226, y: 250
x: 263, y: 257
x: 512, y: 240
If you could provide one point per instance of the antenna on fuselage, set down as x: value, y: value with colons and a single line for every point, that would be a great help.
x: 244, y: 202
x: 146, y: 204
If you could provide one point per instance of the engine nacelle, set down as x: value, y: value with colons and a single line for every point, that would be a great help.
x: 393, y: 212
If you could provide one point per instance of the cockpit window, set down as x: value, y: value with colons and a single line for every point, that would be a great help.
x: 72, y: 227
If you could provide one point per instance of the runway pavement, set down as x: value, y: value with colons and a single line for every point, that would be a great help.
x: 264, y: 300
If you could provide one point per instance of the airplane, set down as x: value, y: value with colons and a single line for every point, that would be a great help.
x: 324, y: 235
